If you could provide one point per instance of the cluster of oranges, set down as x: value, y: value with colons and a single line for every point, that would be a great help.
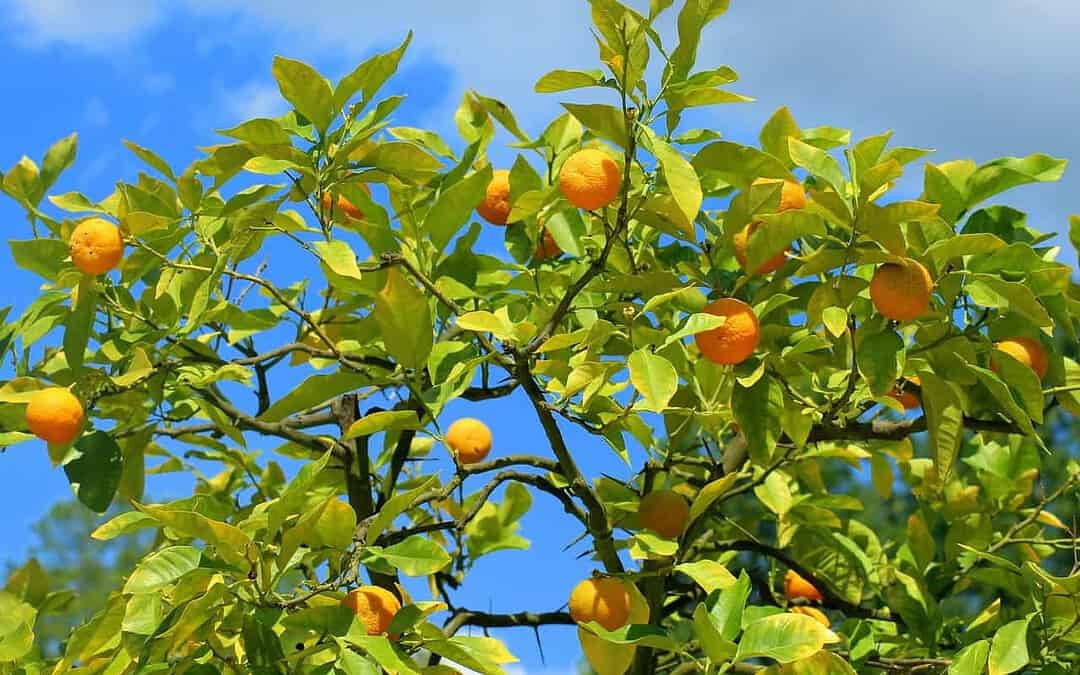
x: 589, y: 179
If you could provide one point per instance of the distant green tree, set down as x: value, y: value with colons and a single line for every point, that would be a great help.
x: 80, y: 571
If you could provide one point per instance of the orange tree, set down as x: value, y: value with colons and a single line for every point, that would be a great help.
x: 622, y: 306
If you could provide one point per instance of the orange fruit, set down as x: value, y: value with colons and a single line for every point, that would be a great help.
x: 742, y: 238
x: 374, y: 606
x: 814, y: 613
x: 733, y: 341
x: 96, y: 246
x: 590, y: 179
x: 604, y: 600
x: 792, y: 195
x: 546, y: 247
x: 469, y: 440
x: 496, y: 205
x: 906, y: 395
x: 796, y: 587
x: 343, y: 205
x: 901, y: 291
x: 55, y: 415
x: 664, y: 512
x: 1027, y: 351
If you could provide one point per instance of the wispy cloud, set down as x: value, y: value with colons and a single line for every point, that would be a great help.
x: 98, y: 26
x: 249, y: 100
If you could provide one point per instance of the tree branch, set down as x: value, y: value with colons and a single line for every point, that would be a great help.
x: 598, y: 524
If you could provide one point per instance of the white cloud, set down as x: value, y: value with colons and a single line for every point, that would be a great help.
x: 249, y: 100
x: 98, y: 26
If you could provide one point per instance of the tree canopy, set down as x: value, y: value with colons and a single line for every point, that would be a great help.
x: 778, y: 347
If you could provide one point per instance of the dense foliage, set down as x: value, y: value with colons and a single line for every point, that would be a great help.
x: 925, y: 342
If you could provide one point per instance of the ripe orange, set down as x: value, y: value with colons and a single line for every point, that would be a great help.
x: 343, y: 205
x: 742, y: 238
x: 55, y: 415
x: 733, y: 341
x: 590, y: 179
x: 664, y: 512
x: 96, y: 246
x: 546, y: 247
x: 374, y: 606
x: 901, y: 291
x: 792, y: 195
x: 907, y: 395
x: 604, y: 600
x: 1027, y: 351
x: 796, y: 587
x: 469, y: 440
x: 814, y: 613
x: 496, y: 205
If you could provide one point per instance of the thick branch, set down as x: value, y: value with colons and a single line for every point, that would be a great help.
x: 468, y: 617
x: 882, y: 430
x: 598, y: 525
x: 831, y: 598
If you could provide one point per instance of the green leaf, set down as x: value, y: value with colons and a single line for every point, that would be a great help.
x: 151, y: 158
x: 784, y: 637
x: 307, y: 91
x: 992, y: 291
x: 57, y: 158
x: 260, y: 131
x: 708, y: 574
x: 654, y: 377
x: 405, y: 160
x: 604, y: 121
x: 758, y: 409
x: 379, y: 648
x: 339, y: 258
x: 162, y: 568
x: 681, y: 179
x: 1000, y: 391
x: 1008, y: 651
x: 971, y: 660
x: 93, y: 468
x: 944, y: 250
x: 1009, y: 172
x: 774, y: 134
x: 384, y: 420
x: 16, y: 627
x: 716, y: 648
x: 44, y: 257
x: 79, y: 323
x: 312, y: 391
x: 738, y: 164
x: 397, y: 505
x: 777, y: 231
x: 125, y: 523
x: 694, y: 324
x: 416, y: 556
x: 944, y: 420
x: 404, y: 319
x: 879, y: 359
x: 453, y: 207
x: 562, y: 80
x: 230, y: 542
x: 693, y: 18
x: 1024, y: 383
x: 709, y: 494
x: 295, y: 494
x: 726, y: 607
x: 818, y: 162
x: 483, y: 321
x: 370, y: 75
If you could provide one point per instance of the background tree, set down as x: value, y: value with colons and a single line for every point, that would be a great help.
x: 762, y: 322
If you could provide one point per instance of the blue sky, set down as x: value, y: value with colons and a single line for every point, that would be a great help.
x: 969, y: 78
